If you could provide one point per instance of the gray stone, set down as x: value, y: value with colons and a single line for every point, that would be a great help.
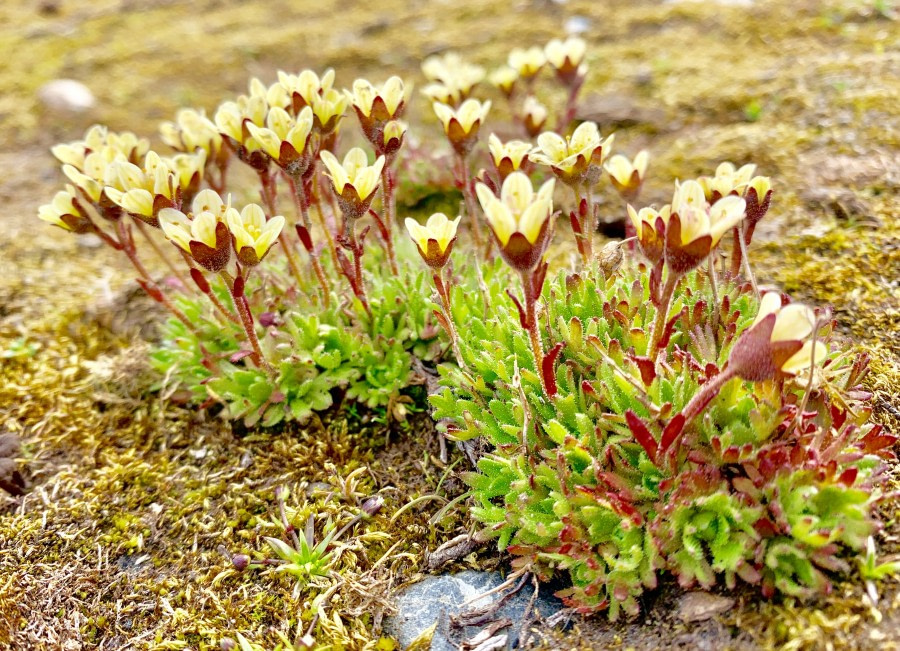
x: 437, y: 598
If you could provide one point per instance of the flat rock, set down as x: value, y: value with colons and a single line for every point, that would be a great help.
x: 437, y: 598
x: 699, y: 606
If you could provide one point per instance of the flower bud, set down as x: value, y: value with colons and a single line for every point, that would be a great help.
x: 373, y: 505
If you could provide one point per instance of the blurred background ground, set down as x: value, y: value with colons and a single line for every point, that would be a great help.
x: 807, y: 90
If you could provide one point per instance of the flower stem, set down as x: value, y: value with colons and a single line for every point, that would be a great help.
x: 662, y: 311
x: 589, y: 227
x: 300, y: 201
x: 317, y: 204
x: 443, y: 288
x: 269, y: 192
x: 160, y: 253
x: 470, y: 202
x: 531, y: 324
x: 126, y: 245
x: 387, y: 200
x: 747, y: 268
x: 711, y: 271
x: 706, y: 393
x: 568, y: 113
x: 243, y: 310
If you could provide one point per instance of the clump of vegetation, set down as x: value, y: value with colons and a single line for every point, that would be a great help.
x: 649, y: 409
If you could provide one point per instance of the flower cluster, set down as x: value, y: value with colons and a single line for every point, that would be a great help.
x: 638, y: 413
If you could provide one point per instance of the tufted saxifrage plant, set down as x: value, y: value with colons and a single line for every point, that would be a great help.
x: 647, y: 410
x: 676, y: 422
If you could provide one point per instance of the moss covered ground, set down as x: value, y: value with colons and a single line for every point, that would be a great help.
x: 118, y: 543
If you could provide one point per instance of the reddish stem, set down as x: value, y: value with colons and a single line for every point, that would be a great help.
x: 387, y: 199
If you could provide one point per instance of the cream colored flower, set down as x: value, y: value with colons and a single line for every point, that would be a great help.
x: 72, y: 154
x: 534, y: 115
x: 762, y: 185
x: 142, y: 191
x: 378, y: 104
x: 627, y: 176
x: 527, y: 63
x: 453, y: 71
x: 392, y: 137
x: 505, y: 79
x: 89, y: 187
x: 188, y: 169
x: 435, y: 239
x: 109, y: 144
x: 192, y: 130
x: 354, y: 180
x: 698, y: 219
x: 649, y: 239
x: 519, y: 219
x: 508, y: 156
x: 253, y: 234
x: 727, y: 179
x: 567, y: 58
x: 461, y: 125
x: 328, y: 109
x: 302, y: 89
x: 63, y: 212
x: 284, y: 138
x: 793, y: 323
x: 575, y: 159
x: 232, y: 118
x: 438, y: 92
x: 182, y: 231
x: 204, y: 232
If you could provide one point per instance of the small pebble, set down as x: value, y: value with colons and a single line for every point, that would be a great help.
x: 66, y: 96
x: 699, y: 606
x: 575, y: 25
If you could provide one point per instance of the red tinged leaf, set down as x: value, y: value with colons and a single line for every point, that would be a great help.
x: 876, y: 441
x: 547, y: 365
x: 670, y: 328
x: 568, y: 534
x: 647, y: 369
x: 442, y: 320
x: 305, y: 237
x: 588, y: 388
x: 848, y: 477
x: 200, y: 280
x: 641, y: 434
x: 765, y: 528
x: 523, y: 321
x: 238, y: 356
x: 238, y: 289
x: 672, y: 432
